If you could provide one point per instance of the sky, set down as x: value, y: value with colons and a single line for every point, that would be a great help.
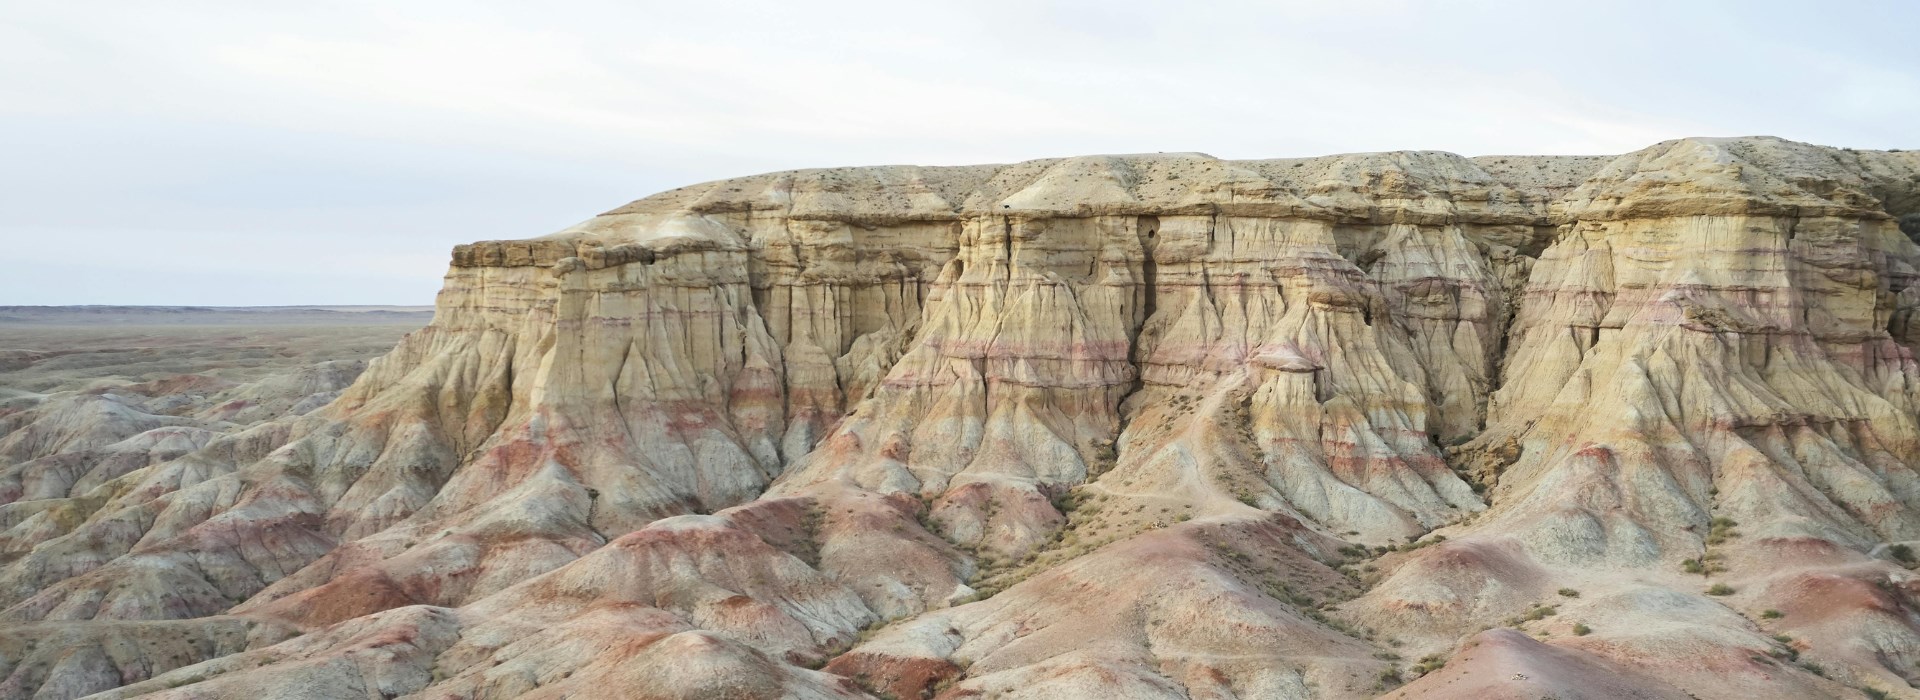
x: 249, y: 153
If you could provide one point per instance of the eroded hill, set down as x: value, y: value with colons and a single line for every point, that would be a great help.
x: 1114, y: 426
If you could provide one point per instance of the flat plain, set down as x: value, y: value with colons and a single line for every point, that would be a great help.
x: 47, y: 349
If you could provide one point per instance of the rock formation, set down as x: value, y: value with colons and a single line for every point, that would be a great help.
x: 1116, y: 426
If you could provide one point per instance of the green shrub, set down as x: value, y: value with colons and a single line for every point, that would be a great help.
x: 1581, y: 629
x: 1569, y: 593
x: 1771, y: 614
x: 1539, y: 612
x: 1901, y: 553
x: 1722, y: 530
x: 1720, y: 589
x: 1429, y: 664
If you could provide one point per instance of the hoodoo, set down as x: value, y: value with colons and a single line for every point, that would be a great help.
x: 1138, y: 426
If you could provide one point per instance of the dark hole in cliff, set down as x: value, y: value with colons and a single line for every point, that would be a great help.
x: 1910, y: 225
x: 1368, y: 258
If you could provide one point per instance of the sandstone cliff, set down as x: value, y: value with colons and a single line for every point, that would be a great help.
x: 1114, y: 426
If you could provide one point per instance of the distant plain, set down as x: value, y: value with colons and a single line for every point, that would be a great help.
x: 45, y: 349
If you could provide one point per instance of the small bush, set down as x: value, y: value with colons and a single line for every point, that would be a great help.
x: 1875, y: 693
x: 1771, y: 614
x: 1815, y: 669
x: 1390, y: 677
x: 1569, y: 593
x: 1429, y: 664
x: 1722, y: 530
x: 1581, y: 629
x: 1692, y: 566
x: 1539, y: 612
x: 1901, y: 553
x: 1720, y: 589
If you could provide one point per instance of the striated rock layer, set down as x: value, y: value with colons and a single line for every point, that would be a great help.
x: 1114, y: 426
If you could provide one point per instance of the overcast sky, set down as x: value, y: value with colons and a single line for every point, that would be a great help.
x: 241, y: 153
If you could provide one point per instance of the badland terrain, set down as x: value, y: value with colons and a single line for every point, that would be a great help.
x: 1145, y: 426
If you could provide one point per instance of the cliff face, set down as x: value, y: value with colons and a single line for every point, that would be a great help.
x: 1129, y: 426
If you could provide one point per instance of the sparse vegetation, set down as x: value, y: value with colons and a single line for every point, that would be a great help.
x: 1410, y: 546
x: 1771, y: 614
x: 1581, y: 629
x: 1901, y: 553
x: 1538, y: 612
x: 1389, y: 678
x: 1722, y: 530
x: 870, y: 629
x: 1720, y: 589
x: 1569, y: 593
x: 1428, y: 664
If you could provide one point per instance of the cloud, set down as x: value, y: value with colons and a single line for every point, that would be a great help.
x: 224, y: 137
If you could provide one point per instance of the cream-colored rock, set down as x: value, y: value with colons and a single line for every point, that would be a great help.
x: 1084, y: 427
